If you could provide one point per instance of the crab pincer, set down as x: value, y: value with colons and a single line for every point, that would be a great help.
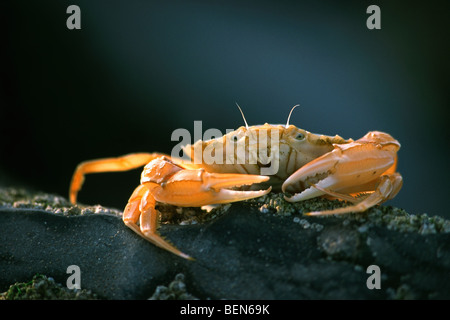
x: 362, y: 172
x: 164, y: 181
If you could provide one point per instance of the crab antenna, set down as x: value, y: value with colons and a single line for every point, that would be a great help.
x: 290, y: 113
x: 245, y: 121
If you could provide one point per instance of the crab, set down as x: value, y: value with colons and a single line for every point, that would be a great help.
x: 309, y: 165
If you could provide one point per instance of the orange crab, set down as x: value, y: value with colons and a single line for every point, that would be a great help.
x: 308, y: 165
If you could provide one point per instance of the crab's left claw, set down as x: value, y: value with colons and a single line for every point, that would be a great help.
x: 387, y: 186
x: 364, y: 167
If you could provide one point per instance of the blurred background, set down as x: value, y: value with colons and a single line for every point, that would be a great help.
x: 138, y: 70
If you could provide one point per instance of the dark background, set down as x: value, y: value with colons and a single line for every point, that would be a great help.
x: 138, y: 70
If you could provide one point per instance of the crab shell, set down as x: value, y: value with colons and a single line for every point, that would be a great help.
x: 258, y: 149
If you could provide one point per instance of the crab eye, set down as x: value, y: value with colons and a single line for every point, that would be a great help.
x: 235, y: 138
x: 300, y: 136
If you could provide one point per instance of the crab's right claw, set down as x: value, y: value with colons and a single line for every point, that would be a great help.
x: 219, y: 182
x: 166, y: 182
x: 196, y: 188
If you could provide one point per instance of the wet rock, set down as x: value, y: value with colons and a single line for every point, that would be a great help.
x: 340, y: 243
x: 176, y: 290
x: 113, y: 262
x: 44, y: 288
x: 258, y: 249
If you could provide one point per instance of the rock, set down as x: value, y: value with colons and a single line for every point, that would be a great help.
x: 114, y: 263
x: 258, y: 249
x: 44, y: 288
x: 176, y: 290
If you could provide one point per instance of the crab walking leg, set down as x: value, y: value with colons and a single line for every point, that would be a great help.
x: 122, y: 163
x: 131, y: 213
x: 141, y: 206
x: 336, y: 195
x: 388, y: 187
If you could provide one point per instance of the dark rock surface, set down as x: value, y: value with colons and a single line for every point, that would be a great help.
x: 44, y: 288
x: 249, y: 252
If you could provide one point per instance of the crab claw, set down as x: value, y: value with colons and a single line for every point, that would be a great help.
x: 317, y: 172
x: 192, y: 188
x: 164, y: 181
x: 365, y: 168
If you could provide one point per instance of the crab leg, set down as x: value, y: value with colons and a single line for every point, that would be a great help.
x: 178, y: 190
x: 337, y: 195
x: 123, y: 163
x: 164, y: 181
x: 141, y: 206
